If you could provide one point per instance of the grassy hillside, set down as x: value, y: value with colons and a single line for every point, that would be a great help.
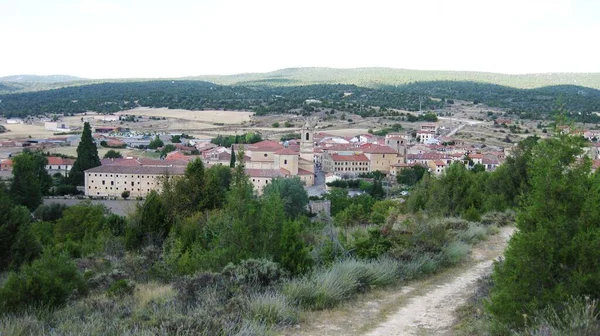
x: 375, y: 77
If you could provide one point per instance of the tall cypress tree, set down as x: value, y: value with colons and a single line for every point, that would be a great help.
x: 87, y: 156
x: 232, y: 160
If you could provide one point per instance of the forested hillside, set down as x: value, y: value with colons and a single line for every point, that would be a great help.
x: 527, y: 103
x: 198, y: 95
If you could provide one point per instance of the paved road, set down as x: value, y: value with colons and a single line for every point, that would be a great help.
x: 318, y: 188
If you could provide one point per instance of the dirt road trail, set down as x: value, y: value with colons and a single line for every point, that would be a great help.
x: 423, y: 308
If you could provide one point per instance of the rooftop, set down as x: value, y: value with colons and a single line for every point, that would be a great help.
x: 150, y: 170
x: 354, y: 157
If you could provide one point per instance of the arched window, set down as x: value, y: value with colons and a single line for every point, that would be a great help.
x: 307, y: 136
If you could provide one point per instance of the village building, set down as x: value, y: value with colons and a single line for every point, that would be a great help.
x: 113, y: 180
x: 425, y: 136
x: 59, y: 165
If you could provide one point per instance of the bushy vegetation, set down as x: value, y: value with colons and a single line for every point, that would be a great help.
x: 532, y: 100
x: 547, y: 282
x: 207, y: 255
x: 221, y: 259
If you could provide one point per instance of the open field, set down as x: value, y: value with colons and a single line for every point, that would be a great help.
x: 208, y: 117
x: 23, y: 131
x: 72, y: 151
x: 346, y: 131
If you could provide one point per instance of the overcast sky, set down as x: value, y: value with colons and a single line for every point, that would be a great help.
x: 158, y: 38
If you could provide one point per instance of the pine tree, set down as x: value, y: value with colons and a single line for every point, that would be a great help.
x: 553, y: 255
x: 294, y: 255
x: 87, y: 156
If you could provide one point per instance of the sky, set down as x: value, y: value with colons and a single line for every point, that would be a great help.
x: 176, y: 38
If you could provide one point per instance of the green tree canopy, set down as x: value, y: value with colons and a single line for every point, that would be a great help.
x: 30, y: 179
x: 113, y: 154
x: 292, y: 193
x: 553, y: 255
x: 410, y: 176
x: 155, y: 143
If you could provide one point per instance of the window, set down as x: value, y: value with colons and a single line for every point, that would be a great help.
x: 307, y: 136
x: 103, y: 182
x: 132, y: 184
x: 112, y: 182
x: 284, y: 161
x: 265, y: 155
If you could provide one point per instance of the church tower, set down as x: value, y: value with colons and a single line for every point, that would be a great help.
x: 307, y: 144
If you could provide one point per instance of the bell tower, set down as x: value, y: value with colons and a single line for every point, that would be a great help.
x: 307, y: 144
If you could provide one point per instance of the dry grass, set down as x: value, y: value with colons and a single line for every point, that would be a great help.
x: 101, y: 151
x: 345, y: 132
x: 23, y: 131
x: 153, y: 291
x: 208, y: 116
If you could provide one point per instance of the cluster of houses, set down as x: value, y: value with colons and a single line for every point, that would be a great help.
x: 335, y: 156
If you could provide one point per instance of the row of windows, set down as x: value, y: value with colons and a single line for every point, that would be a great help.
x: 98, y: 193
x: 351, y: 169
x: 353, y: 163
x: 117, y: 175
x: 117, y: 188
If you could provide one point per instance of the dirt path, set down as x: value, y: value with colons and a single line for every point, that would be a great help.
x: 423, y: 308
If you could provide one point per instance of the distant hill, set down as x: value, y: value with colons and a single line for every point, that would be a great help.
x: 376, y: 77
x: 581, y: 102
x: 40, y: 79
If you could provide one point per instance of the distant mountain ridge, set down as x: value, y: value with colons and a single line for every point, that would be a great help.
x: 376, y: 77
x: 364, y: 77
x: 40, y: 79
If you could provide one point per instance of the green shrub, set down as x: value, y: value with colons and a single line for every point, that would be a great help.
x: 326, y: 288
x: 423, y: 264
x: 472, y: 214
x: 259, y: 272
x: 49, y: 212
x: 48, y: 281
x: 455, y: 252
x: 272, y: 308
x: 578, y: 316
x: 499, y: 219
x: 189, y: 287
x: 372, y: 246
x: 473, y: 234
x: 43, y: 232
x: 121, y: 287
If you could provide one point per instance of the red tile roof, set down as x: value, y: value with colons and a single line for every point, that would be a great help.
x: 377, y: 149
x: 150, y: 170
x: 304, y: 172
x: 355, y: 157
x: 263, y: 173
x: 55, y: 161
x: 286, y: 151
x: 265, y: 145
